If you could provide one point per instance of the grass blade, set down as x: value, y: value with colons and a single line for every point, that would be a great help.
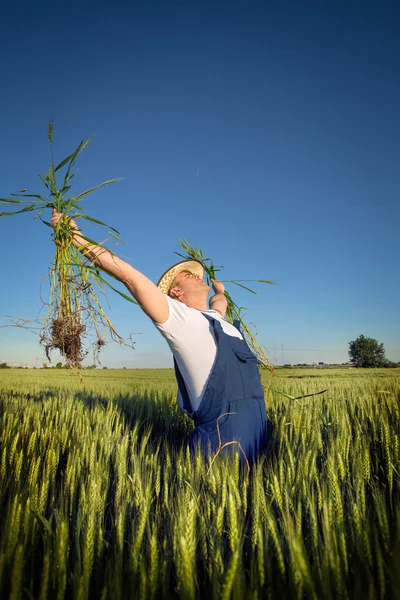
x: 30, y: 196
x: 10, y: 200
x: 309, y: 395
x: 89, y: 241
x: 28, y: 208
x: 44, y: 182
x: 93, y: 220
x: 63, y: 163
x: 52, y: 179
x: 73, y: 158
x: 96, y: 275
x: 93, y: 189
x: 244, y: 287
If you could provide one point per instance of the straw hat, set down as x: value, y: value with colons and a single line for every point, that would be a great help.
x: 193, y: 266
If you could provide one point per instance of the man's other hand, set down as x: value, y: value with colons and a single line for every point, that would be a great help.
x: 217, y: 286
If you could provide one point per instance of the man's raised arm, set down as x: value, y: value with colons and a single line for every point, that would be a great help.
x: 146, y: 293
x: 218, y: 301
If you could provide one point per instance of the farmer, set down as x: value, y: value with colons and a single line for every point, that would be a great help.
x: 216, y: 371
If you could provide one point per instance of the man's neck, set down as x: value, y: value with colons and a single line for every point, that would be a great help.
x: 198, y: 304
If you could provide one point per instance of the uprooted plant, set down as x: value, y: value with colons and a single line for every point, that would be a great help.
x: 75, y: 319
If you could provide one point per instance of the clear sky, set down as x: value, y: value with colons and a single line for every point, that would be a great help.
x: 267, y: 133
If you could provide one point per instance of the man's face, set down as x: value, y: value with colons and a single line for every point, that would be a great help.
x: 188, y: 285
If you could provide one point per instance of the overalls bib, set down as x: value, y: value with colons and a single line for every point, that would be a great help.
x: 234, y: 386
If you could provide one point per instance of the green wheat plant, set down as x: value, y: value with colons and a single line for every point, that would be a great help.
x: 99, y: 497
x: 74, y: 312
x: 233, y: 312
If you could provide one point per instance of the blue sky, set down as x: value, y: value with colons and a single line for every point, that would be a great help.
x: 265, y: 133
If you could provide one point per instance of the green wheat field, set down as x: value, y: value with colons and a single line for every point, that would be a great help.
x: 99, y: 498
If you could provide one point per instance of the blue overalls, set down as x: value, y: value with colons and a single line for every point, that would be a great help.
x: 234, y: 386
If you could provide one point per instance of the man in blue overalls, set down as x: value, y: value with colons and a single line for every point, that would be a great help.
x: 218, y: 378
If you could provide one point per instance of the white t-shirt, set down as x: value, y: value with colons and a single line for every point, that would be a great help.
x: 191, y: 339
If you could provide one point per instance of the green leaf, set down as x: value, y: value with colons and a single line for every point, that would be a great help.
x: 296, y: 398
x: 63, y: 163
x: 30, y: 196
x: 73, y: 158
x: 87, y: 192
x: 182, y: 256
x: 44, y: 182
x: 52, y: 179
x: 39, y: 212
x: 72, y: 205
x: 266, y: 281
x: 93, y: 220
x: 93, y: 189
x: 110, y: 286
x: 46, y: 222
x: 69, y: 179
x: 66, y: 204
x: 285, y: 395
x: 89, y: 241
x: 244, y: 287
x: 122, y: 294
x: 26, y: 209
x: 309, y: 395
x: 10, y: 200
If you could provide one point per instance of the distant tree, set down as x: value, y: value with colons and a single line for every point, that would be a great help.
x: 45, y: 366
x: 366, y: 352
x: 4, y: 366
x: 390, y: 365
x: 105, y: 368
x: 59, y: 365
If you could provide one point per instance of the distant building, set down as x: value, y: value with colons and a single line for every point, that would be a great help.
x: 321, y: 365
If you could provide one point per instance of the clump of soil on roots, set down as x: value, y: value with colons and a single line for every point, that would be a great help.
x: 65, y: 334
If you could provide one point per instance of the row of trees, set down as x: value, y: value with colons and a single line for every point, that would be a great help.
x: 364, y: 352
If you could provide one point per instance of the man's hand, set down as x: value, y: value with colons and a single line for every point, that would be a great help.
x: 217, y: 286
x: 56, y: 216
